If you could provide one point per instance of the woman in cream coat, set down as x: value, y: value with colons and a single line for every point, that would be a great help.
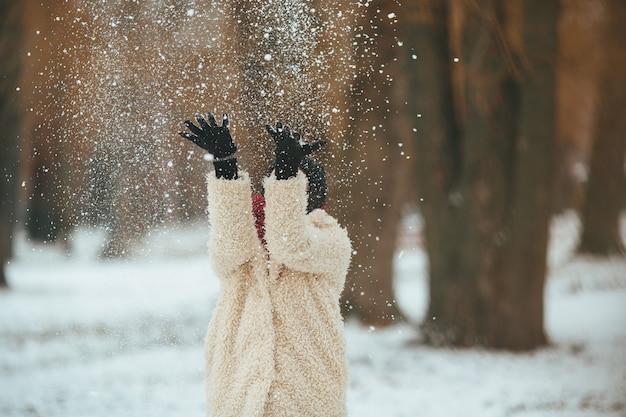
x: 275, y: 344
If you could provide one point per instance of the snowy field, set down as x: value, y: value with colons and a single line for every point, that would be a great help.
x: 80, y: 337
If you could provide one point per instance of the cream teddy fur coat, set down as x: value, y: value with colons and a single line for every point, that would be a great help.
x: 275, y: 344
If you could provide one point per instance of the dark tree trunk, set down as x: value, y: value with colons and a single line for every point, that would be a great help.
x: 606, y: 187
x: 579, y: 59
x: 376, y: 162
x: 487, y: 153
x: 486, y: 159
x: 10, y: 44
x: 45, y: 85
x: 520, y: 275
x: 437, y: 136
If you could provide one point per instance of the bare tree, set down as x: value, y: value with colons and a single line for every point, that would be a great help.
x: 10, y: 50
x: 606, y: 188
x: 483, y: 83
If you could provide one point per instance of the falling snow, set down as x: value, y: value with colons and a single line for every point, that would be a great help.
x: 138, y: 69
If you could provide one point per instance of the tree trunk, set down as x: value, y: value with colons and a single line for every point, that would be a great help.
x: 520, y: 276
x: 487, y: 152
x: 10, y: 51
x: 45, y: 81
x: 376, y: 163
x: 486, y: 158
x: 607, y: 184
x: 436, y: 134
x: 579, y: 59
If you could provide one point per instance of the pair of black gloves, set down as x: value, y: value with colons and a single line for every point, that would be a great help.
x: 217, y: 140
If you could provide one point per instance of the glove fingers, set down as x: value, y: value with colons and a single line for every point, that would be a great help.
x: 212, y: 120
x: 195, y: 129
x: 225, y: 121
x: 287, y: 132
x: 312, y: 147
x: 190, y: 137
x: 271, y: 131
x: 203, y: 125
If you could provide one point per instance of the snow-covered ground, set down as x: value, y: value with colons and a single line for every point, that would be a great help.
x: 80, y: 337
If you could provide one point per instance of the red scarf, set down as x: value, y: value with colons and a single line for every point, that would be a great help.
x: 258, y: 209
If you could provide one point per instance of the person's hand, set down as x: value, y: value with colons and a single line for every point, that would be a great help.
x: 289, y: 151
x: 209, y: 136
x: 217, y: 141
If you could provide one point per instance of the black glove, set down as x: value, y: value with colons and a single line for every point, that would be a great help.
x: 217, y: 141
x: 289, y: 152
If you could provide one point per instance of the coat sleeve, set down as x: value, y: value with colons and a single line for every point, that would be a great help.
x: 294, y: 240
x: 233, y: 239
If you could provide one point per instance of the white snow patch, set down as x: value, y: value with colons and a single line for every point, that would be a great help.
x: 80, y: 337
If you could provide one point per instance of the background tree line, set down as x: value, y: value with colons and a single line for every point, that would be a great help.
x: 479, y: 113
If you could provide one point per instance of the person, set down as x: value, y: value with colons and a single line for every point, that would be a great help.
x: 275, y: 345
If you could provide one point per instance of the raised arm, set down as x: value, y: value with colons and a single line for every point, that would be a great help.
x: 312, y: 243
x: 233, y: 238
x: 298, y: 235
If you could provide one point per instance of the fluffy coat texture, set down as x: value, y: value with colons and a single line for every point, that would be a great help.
x: 275, y: 344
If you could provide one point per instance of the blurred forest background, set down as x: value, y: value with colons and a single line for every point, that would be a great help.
x: 486, y: 117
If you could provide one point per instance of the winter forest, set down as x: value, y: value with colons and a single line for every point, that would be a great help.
x: 476, y: 154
